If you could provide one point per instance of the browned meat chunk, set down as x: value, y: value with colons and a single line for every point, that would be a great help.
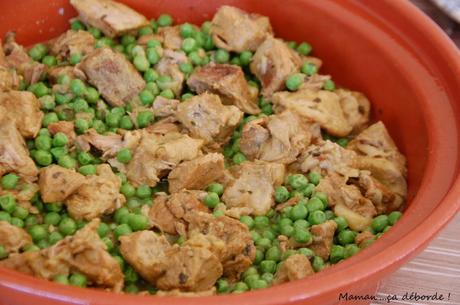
x: 169, y: 65
x: 14, y: 156
x: 235, y: 30
x: 157, y: 154
x: 189, y: 269
x: 83, y: 252
x: 197, y: 173
x: 57, y: 183
x: 323, y: 235
x: 228, y: 82
x: 253, y: 185
x: 112, y: 18
x: 239, y: 251
x: 23, y: 108
x: 113, y: 75
x: 171, y: 37
x: 171, y: 214
x: 356, y: 108
x: 379, y: 154
x: 73, y: 42
x: 206, y: 118
x: 362, y: 238
x: 295, y: 267
x: 108, y: 145
x: 8, y: 78
x: 18, y: 59
x: 164, y: 107
x: 145, y: 251
x: 13, y: 238
x: 321, y: 106
x: 98, y: 195
x: 65, y: 127
x: 273, y: 62
x: 277, y: 138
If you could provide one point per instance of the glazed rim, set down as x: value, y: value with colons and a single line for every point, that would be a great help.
x: 387, y: 254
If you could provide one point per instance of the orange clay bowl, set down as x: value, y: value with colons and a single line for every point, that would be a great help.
x: 387, y: 49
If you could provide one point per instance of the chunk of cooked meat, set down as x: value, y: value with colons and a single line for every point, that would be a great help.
x: 228, y: 82
x: 295, y: 267
x: 169, y: 65
x: 253, y: 185
x: 235, y: 30
x: 107, y: 145
x: 320, y: 106
x: 378, y: 153
x: 206, y: 118
x: 356, y: 108
x: 239, y: 252
x: 65, y: 127
x: 98, y: 195
x: 196, y: 174
x: 18, y: 59
x: 83, y: 252
x: 314, y: 82
x: 171, y: 214
x: 113, y: 75
x: 112, y: 18
x: 13, y: 238
x: 164, y: 107
x: 171, y: 37
x: 145, y: 251
x: 189, y: 269
x: 362, y: 238
x: 277, y: 138
x: 328, y: 157
x: 70, y: 71
x: 73, y: 42
x: 23, y: 108
x: 14, y: 156
x: 9, y: 80
x: 323, y: 236
x: 57, y: 183
x: 157, y: 154
x: 273, y: 62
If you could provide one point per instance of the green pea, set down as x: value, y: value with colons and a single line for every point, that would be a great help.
x: 119, y: 214
x: 78, y: 280
x: 103, y: 229
x: 17, y: 222
x: 84, y: 158
x: 164, y: 20
x: 195, y: 58
x: 315, y: 204
x: 302, y: 236
x: 222, y: 286
x: 145, y: 31
x: 337, y: 253
x: 43, y: 142
x: 152, y: 57
x: 299, y: 211
x: 38, y: 51
x: 47, y: 102
x: 323, y: 197
x: 342, y: 142
x: 187, y: 30
x: 304, y: 48
x: 268, y: 266
x: 77, y: 87
x: 126, y: 122
x: 281, y: 194
x: 67, y: 162
x: 393, y: 217
x: 77, y: 25
x: 329, y: 85
x: 52, y: 218
x: 235, y: 61
x: 144, y: 118
x: 150, y: 75
x: 21, y: 212
x: 248, y: 221
x: 346, y: 237
x: 288, y: 253
x: 54, y: 237
x: 189, y: 45
x: 60, y: 139
x: 309, y: 68
x: 37, y: 232
x: 67, y: 226
x: 240, y: 287
x: 273, y: 253
x: 245, y: 58
x: 239, y: 158
x: 124, y: 155
x: 141, y: 63
x: 261, y: 222
x: 314, y: 177
x: 10, y: 181
x: 287, y: 230
x: 306, y: 252
x: 128, y: 190
x: 186, y: 67
x: 5, y: 216
x: 294, y: 81
x: 138, y: 222
x: 351, y: 249
x: 222, y: 56
x: 259, y: 256
x: 316, y: 217
x: 263, y: 243
x: 30, y: 220
x: 61, y: 279
x: 99, y: 126
x: 43, y: 158
x: 122, y: 229
x: 318, y: 264
x: 49, y: 60
x: 341, y: 222
x: 87, y: 170
x: 301, y: 224
x: 297, y: 181
x: 379, y: 223
x: 285, y: 221
x: 211, y: 200
x: 167, y: 93
x: 39, y: 89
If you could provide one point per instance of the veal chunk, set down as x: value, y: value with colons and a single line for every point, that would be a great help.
x: 235, y: 30
x: 113, y: 75
x: 57, y: 183
x: 322, y: 107
x: 107, y: 145
x: 171, y: 37
x: 171, y: 214
x: 238, y: 252
x: 73, y: 42
x: 323, y: 235
x: 228, y: 82
x: 23, y: 108
x: 252, y: 185
x: 277, y: 138
x: 189, y: 269
x: 145, y: 251
x: 197, y: 173
x: 356, y: 108
x: 157, y: 154
x: 83, y: 252
x: 98, y: 195
x: 13, y: 238
x: 164, y: 107
x: 378, y: 153
x: 14, y: 156
x: 273, y: 62
x: 295, y: 267
x: 8, y: 78
x: 206, y: 118
x: 169, y: 65
x: 111, y: 17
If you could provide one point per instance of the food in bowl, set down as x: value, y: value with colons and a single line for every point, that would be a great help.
x: 147, y: 157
